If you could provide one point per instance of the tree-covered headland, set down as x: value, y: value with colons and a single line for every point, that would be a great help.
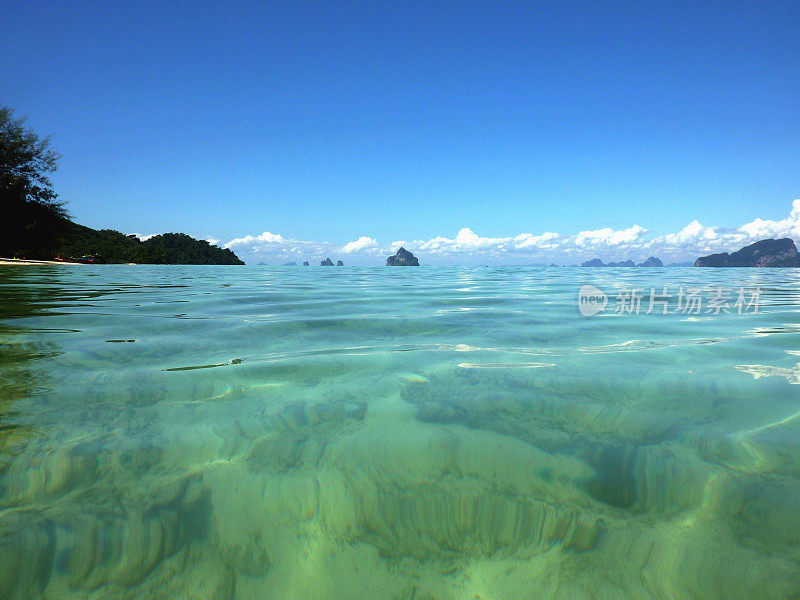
x: 35, y: 224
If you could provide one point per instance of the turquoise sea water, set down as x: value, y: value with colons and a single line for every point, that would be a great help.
x: 432, y: 433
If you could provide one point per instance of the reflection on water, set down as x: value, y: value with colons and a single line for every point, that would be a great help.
x: 207, y: 432
x: 20, y: 376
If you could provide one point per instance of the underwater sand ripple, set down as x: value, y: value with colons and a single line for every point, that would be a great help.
x: 345, y: 452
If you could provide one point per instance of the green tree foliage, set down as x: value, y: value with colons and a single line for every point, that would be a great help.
x: 169, y: 248
x: 184, y: 249
x: 34, y: 224
x: 70, y: 240
x: 29, y: 209
x: 26, y: 162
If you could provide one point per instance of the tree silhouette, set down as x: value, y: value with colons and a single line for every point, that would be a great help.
x: 34, y: 224
x: 26, y: 162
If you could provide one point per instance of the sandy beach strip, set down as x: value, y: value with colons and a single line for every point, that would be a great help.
x: 22, y: 261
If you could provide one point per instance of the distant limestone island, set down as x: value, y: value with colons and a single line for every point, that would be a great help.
x: 324, y: 263
x: 327, y: 263
x: 765, y: 253
x: 402, y: 258
x: 650, y: 262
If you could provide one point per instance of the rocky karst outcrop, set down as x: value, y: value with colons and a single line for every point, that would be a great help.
x: 403, y: 258
x: 595, y: 262
x: 765, y: 253
x: 652, y: 262
x: 327, y: 263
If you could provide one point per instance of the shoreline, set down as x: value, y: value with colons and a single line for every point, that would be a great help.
x: 23, y: 261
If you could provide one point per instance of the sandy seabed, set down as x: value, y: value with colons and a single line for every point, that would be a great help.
x: 248, y: 434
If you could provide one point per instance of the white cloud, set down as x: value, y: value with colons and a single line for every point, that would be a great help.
x: 627, y: 236
x: 465, y: 240
x: 609, y: 236
x: 694, y: 232
x: 361, y: 244
x: 273, y: 247
x: 789, y: 227
x: 468, y: 240
x: 585, y: 238
x: 265, y: 238
x: 634, y: 242
x: 696, y: 240
x: 546, y: 240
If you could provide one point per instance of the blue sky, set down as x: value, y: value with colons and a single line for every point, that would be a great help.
x: 326, y: 123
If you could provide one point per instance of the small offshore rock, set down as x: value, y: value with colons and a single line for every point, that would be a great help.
x: 403, y: 258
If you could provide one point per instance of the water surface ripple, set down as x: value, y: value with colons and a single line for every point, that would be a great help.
x: 433, y: 433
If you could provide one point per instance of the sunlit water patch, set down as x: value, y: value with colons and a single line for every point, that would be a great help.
x: 238, y: 433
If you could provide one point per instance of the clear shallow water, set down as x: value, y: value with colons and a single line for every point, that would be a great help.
x: 224, y: 432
